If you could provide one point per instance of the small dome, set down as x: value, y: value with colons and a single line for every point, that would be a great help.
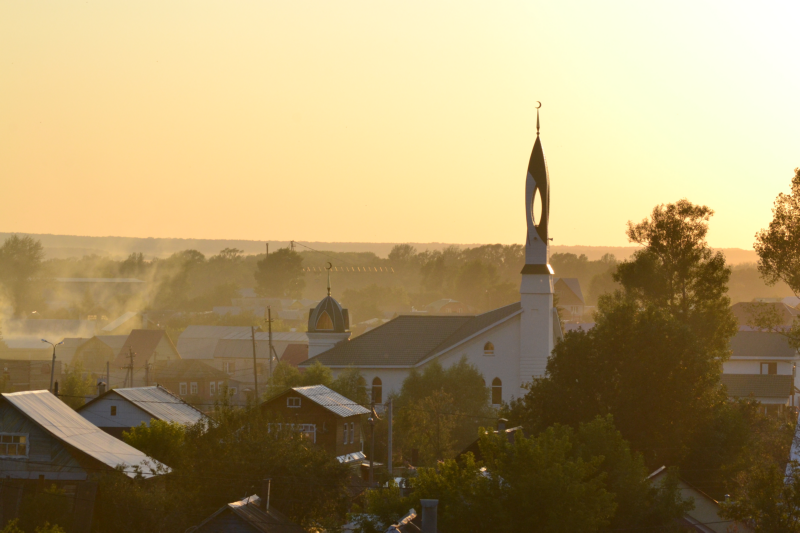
x: 328, y: 317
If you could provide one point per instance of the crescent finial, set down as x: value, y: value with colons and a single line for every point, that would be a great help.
x: 540, y: 104
x: 537, y: 116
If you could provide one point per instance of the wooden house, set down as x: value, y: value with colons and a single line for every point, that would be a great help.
x: 43, y: 441
x: 325, y: 417
x: 20, y: 375
x: 143, y: 348
x: 120, y: 410
x: 196, y: 381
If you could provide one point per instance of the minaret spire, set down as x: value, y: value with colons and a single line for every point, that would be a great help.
x: 537, y: 207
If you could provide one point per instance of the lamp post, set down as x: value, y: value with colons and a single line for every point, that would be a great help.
x: 53, y: 365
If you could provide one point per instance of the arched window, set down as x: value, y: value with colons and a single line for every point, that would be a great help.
x: 324, y: 321
x: 377, y: 390
x: 488, y: 349
x: 497, y: 391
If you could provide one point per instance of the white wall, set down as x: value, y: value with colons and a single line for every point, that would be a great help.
x: 754, y: 367
x: 128, y: 415
x: 504, y: 364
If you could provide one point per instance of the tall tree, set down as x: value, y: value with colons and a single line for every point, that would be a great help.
x: 778, y: 246
x: 280, y: 274
x: 20, y: 262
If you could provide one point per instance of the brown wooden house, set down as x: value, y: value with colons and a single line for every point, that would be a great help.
x: 195, y: 381
x: 325, y: 417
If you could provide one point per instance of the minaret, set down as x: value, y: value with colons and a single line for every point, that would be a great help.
x: 536, y: 289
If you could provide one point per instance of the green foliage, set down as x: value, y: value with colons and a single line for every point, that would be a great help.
x: 767, y: 497
x: 450, y: 404
x: 163, y: 441
x: 778, y: 246
x: 560, y: 480
x: 50, y: 506
x: 280, y: 275
x: 13, y: 527
x: 373, y: 300
x: 74, y: 386
x: 220, y: 462
x: 20, y: 263
x: 349, y: 383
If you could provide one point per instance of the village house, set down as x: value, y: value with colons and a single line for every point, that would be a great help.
x: 324, y: 417
x: 250, y: 515
x: 42, y: 440
x: 93, y: 354
x: 120, y: 410
x: 197, y: 382
x: 21, y: 375
x: 762, y: 365
x: 142, y: 349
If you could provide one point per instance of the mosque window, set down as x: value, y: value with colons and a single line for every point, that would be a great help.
x: 488, y: 349
x: 377, y: 390
x: 324, y: 322
x: 497, y: 391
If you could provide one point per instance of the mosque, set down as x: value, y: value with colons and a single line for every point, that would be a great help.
x: 509, y: 345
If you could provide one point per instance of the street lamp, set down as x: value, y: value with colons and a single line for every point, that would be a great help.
x: 52, y: 366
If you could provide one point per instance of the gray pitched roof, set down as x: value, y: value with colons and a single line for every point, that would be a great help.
x: 158, y: 402
x: 758, y: 385
x: 332, y: 401
x: 761, y: 345
x: 58, y: 419
x: 574, y: 285
x: 409, y: 339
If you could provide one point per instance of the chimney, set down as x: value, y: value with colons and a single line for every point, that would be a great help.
x: 429, y: 508
x: 501, y: 425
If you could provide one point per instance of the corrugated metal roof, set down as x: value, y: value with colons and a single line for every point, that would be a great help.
x: 332, y: 401
x: 761, y: 345
x: 58, y: 419
x: 161, y: 403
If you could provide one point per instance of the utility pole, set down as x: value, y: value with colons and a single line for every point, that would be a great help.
x: 130, y: 368
x: 389, y: 420
x: 269, y: 323
x: 291, y: 243
x: 255, y: 366
x: 371, y: 421
x: 53, y: 364
x: 147, y: 374
x: 108, y: 376
x: 267, y: 249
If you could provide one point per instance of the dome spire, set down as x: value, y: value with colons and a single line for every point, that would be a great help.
x: 328, y: 267
x: 537, y: 207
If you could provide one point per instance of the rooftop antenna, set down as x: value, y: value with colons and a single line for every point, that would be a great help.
x: 328, y: 267
x: 537, y: 116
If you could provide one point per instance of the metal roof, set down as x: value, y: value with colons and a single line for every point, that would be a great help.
x: 58, y: 419
x: 410, y: 339
x: 761, y: 345
x: 159, y: 402
x: 332, y: 401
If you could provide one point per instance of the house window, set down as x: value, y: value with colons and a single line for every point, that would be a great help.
x: 212, y: 388
x: 308, y: 431
x: 113, y: 410
x: 293, y: 401
x: 183, y: 389
x: 14, y: 445
x: 497, y: 391
x: 193, y: 387
x: 345, y: 433
x: 769, y: 368
x: 488, y: 349
x: 377, y: 390
x: 230, y: 366
x: 324, y: 321
x: 352, y: 432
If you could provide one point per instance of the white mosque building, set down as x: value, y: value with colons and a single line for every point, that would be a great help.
x: 509, y: 346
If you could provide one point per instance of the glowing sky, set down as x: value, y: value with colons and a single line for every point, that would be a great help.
x: 392, y: 121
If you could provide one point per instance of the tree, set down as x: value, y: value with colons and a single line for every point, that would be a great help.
x: 677, y: 270
x: 280, y: 274
x: 654, y: 357
x: 767, y: 498
x: 373, y: 300
x: 50, y: 506
x: 20, y: 262
x: 75, y: 387
x: 455, y: 398
x: 778, y: 246
x: 163, y: 441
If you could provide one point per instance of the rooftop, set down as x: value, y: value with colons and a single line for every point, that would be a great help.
x: 758, y: 385
x: 157, y: 401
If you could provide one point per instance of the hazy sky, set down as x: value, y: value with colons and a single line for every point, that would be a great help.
x: 387, y: 120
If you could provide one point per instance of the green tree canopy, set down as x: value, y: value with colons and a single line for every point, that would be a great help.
x: 20, y: 263
x: 280, y: 275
